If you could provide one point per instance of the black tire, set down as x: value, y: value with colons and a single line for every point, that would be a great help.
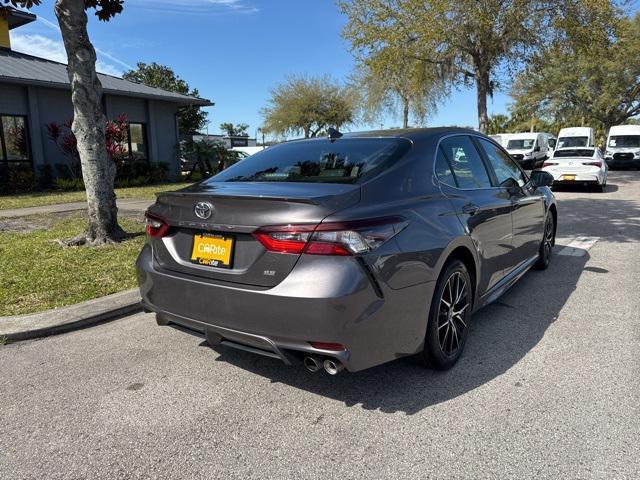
x: 546, y: 246
x: 447, y: 332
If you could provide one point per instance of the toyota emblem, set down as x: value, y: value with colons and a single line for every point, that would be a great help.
x: 203, y: 210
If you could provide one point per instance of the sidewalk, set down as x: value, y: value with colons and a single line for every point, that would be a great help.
x: 127, y: 204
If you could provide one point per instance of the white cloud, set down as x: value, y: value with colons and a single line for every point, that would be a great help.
x: 99, y: 52
x: 44, y: 47
x: 196, y: 6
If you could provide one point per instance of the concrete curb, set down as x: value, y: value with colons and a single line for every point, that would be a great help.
x: 73, y: 317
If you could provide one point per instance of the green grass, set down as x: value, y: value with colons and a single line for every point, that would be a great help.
x: 38, y: 199
x: 38, y: 274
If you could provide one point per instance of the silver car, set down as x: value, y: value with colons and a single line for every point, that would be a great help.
x: 348, y: 251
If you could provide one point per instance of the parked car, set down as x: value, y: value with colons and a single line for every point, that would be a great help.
x: 576, y: 137
x: 577, y: 166
x: 349, y: 251
x: 623, y: 146
x: 528, y: 149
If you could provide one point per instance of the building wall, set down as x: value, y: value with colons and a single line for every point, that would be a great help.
x: 13, y: 99
x: 51, y: 105
x: 167, y: 135
x: 45, y: 105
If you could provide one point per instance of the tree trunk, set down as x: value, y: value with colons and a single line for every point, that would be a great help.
x: 405, y: 112
x: 98, y: 170
x: 482, y: 88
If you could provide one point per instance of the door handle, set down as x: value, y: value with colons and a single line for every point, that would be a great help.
x: 470, y: 209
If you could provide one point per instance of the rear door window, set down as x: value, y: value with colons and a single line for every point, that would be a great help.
x: 467, y: 166
x: 344, y: 160
x: 443, y: 170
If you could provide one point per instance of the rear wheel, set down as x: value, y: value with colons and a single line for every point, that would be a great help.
x: 449, y: 317
x: 548, y: 241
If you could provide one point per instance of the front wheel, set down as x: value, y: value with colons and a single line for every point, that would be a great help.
x: 548, y: 241
x: 449, y: 317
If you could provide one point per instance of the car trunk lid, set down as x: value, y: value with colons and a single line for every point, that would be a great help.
x: 237, y: 210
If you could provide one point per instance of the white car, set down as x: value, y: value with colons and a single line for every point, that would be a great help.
x: 578, y: 166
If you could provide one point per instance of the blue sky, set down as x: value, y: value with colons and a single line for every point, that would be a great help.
x: 233, y: 51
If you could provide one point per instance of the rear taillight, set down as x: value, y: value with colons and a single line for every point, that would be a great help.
x: 156, y: 226
x: 593, y: 164
x: 548, y: 164
x: 337, y: 238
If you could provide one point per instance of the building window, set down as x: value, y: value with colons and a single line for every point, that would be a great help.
x: 14, y: 139
x: 137, y: 141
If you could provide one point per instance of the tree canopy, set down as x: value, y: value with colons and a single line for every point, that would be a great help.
x: 308, y: 105
x: 190, y: 119
x: 392, y: 81
x: 470, y: 41
x: 237, y: 130
x: 589, y: 79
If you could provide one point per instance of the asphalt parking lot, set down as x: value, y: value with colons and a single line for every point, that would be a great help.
x: 548, y: 387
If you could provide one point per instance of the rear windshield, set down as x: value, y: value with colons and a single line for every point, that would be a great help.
x: 573, y: 142
x: 526, y: 144
x: 344, y: 160
x: 574, y: 152
x: 625, y: 141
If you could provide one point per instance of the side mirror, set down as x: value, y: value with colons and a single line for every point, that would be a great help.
x: 537, y: 149
x: 511, y: 184
x: 540, y: 178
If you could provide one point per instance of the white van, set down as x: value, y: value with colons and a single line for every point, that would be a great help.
x: 576, y: 137
x: 528, y: 149
x: 623, y: 146
x: 502, y: 138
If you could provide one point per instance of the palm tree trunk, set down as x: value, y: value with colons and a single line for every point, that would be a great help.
x: 98, y: 170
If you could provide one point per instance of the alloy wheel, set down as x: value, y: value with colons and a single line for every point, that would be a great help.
x: 548, y: 237
x: 454, y: 305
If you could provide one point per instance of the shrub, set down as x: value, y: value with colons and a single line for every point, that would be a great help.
x: 45, y: 177
x: 17, y: 179
x: 69, y: 184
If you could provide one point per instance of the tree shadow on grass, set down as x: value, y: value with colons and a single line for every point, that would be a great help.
x: 501, y: 335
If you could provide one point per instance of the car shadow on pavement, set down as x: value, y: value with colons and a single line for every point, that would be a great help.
x: 501, y: 335
x: 616, y: 220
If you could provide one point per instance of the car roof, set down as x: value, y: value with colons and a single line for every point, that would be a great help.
x: 575, y: 131
x: 624, y: 129
x: 414, y: 134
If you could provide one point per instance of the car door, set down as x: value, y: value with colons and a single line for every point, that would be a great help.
x: 528, y: 208
x: 484, y: 211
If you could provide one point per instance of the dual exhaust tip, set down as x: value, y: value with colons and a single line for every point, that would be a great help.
x: 330, y: 365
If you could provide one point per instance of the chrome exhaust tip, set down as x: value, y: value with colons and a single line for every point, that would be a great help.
x: 332, y: 367
x: 313, y: 364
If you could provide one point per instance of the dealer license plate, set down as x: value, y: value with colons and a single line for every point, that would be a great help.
x: 212, y: 250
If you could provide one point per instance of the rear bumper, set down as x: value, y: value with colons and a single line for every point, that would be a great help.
x: 580, y: 178
x: 324, y: 299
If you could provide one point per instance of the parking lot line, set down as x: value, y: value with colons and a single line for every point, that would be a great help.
x: 579, y: 246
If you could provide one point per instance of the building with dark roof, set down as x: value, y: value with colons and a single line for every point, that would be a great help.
x: 34, y: 92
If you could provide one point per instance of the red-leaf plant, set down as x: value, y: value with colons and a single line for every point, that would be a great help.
x: 116, y: 132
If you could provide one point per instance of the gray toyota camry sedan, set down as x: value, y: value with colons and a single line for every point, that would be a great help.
x: 348, y: 251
